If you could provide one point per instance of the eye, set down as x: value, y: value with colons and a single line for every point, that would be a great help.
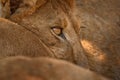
x: 57, y: 30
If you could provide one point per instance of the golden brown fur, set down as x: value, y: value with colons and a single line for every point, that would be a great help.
x: 37, y: 18
x: 100, y: 34
x: 4, y: 8
x: 23, y: 68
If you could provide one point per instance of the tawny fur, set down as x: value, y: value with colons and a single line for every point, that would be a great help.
x: 37, y: 17
x: 100, y: 42
x: 23, y: 68
x: 100, y: 35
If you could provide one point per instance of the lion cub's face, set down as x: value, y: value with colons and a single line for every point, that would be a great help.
x: 53, y: 22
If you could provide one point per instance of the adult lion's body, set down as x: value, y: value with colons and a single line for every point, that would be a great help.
x: 100, y: 35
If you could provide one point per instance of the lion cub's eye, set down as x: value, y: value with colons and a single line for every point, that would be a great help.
x: 57, y: 30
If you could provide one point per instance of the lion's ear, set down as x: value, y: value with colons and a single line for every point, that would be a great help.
x: 34, y: 3
x: 25, y: 8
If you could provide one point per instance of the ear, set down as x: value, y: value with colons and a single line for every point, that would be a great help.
x: 26, y: 8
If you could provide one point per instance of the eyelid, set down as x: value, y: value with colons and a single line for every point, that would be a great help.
x: 59, y: 27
